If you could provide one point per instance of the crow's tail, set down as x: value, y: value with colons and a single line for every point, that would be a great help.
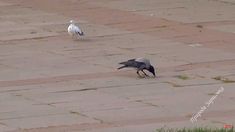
x: 121, y: 67
x: 123, y: 63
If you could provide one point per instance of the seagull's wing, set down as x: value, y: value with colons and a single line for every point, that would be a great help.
x: 70, y: 29
x: 77, y: 30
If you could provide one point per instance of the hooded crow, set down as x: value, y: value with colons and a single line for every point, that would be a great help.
x: 140, y: 64
x: 74, y: 30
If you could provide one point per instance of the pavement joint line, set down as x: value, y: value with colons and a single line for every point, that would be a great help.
x: 55, y: 79
x: 3, y: 124
x: 88, y: 37
x: 33, y: 116
x: 28, y: 99
x: 204, y: 64
x: 84, y: 115
x: 105, y: 87
x: 123, y: 34
x: 14, y: 90
x: 192, y: 85
x: 154, y: 9
x: 36, y: 102
x: 23, y: 39
x: 130, y: 85
x: 224, y: 2
x: 78, y: 90
x: 146, y: 103
x: 91, y: 56
x: 211, y: 23
x: 51, y: 104
x: 97, y: 88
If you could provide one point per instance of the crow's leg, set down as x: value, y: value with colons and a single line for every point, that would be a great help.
x: 139, y: 73
x: 145, y: 73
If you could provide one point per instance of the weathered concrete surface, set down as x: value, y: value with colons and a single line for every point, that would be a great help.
x: 52, y: 83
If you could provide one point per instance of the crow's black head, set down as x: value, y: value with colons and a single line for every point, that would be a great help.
x: 152, y: 70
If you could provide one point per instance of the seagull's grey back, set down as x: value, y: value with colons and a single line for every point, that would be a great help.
x: 73, y: 29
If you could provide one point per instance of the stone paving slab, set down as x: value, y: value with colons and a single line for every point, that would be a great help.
x: 225, y: 28
x: 45, y: 121
x: 50, y: 82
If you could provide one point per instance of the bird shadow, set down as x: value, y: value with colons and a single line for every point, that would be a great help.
x: 128, y: 74
x: 146, y: 77
x: 83, y: 40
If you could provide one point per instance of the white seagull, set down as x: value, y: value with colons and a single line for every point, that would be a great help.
x: 74, y: 30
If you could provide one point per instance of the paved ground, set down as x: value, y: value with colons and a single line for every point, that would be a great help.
x: 52, y: 83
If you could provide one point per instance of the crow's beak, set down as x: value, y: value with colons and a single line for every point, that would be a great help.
x: 153, y: 74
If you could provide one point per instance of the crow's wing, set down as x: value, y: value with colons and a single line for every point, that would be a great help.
x: 132, y: 63
x: 144, y: 60
x: 126, y: 62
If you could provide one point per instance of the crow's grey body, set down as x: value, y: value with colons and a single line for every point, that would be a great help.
x: 140, y: 64
x: 132, y: 63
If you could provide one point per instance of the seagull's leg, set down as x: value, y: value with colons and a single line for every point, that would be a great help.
x: 73, y: 36
x: 145, y: 73
x: 77, y: 36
